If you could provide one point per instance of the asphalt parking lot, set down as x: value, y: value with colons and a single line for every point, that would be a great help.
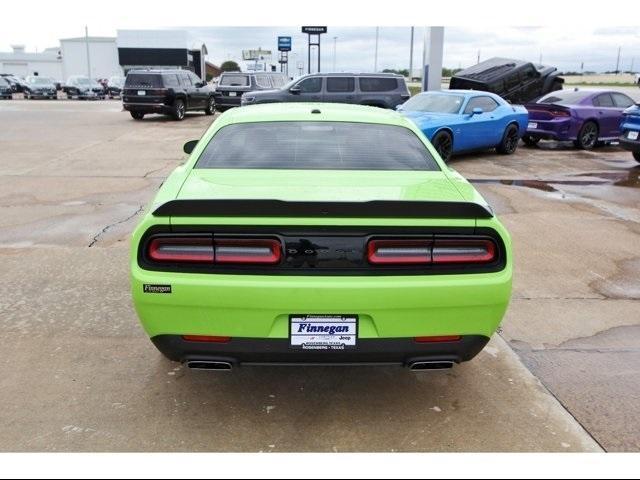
x: 78, y: 373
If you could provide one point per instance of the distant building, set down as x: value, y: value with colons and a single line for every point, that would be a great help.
x: 103, y: 57
x: 22, y: 63
x: 161, y: 49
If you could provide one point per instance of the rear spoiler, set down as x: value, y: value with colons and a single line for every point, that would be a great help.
x: 280, y: 208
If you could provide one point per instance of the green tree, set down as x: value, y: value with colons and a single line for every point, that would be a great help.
x: 230, y: 66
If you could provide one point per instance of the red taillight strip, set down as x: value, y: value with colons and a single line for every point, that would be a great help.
x: 439, y: 339
x: 248, y: 251
x: 181, y: 249
x: 406, y: 252
x: 206, y: 339
x: 471, y: 251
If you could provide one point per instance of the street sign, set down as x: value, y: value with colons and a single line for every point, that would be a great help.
x: 284, y: 44
x: 314, y: 30
x: 257, y: 54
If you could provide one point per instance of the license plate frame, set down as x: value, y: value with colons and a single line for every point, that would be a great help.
x: 304, y: 334
x: 142, y: 93
x: 532, y: 125
x: 233, y: 94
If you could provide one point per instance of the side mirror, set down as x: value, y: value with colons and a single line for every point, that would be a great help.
x: 477, y: 111
x: 295, y: 90
x: 189, y: 146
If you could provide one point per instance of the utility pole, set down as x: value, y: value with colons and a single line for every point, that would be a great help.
x: 86, y: 41
x: 375, y: 63
x: 633, y: 59
x: 478, y: 56
x: 618, y: 61
x: 540, y: 60
x: 411, y: 55
x: 335, y: 42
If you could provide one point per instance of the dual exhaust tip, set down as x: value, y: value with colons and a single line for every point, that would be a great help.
x: 227, y: 366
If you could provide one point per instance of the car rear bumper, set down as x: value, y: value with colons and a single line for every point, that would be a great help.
x: 147, y: 107
x: 552, y: 129
x: 226, y: 101
x: 631, y: 145
x: 257, y: 351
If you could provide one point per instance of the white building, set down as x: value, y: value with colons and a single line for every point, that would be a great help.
x: 22, y: 63
x: 103, y: 57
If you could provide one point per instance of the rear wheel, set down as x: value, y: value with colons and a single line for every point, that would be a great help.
x: 530, y: 140
x: 211, y: 106
x: 178, y: 110
x: 587, y: 137
x: 510, y: 139
x: 636, y: 156
x: 443, y: 143
x: 137, y: 115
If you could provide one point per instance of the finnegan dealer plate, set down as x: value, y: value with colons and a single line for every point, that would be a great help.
x: 323, y: 332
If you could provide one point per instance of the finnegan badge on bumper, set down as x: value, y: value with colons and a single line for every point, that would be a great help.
x: 148, y: 288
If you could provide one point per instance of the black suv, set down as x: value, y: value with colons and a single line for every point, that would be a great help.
x: 232, y: 85
x: 516, y: 81
x: 171, y: 92
x: 385, y: 90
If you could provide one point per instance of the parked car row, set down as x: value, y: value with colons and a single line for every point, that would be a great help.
x: 76, y: 86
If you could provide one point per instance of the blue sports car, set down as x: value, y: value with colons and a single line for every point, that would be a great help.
x: 462, y: 120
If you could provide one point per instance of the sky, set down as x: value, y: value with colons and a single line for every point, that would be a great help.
x: 564, y: 46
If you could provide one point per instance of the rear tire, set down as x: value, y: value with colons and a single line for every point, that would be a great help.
x: 587, y: 136
x: 211, y: 106
x: 178, y: 110
x: 636, y: 156
x: 443, y: 143
x: 530, y: 141
x: 510, y: 139
x: 137, y: 115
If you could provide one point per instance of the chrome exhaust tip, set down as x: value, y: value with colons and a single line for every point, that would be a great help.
x: 436, y: 365
x: 209, y: 365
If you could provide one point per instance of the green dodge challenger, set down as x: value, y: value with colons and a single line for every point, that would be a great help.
x: 318, y: 234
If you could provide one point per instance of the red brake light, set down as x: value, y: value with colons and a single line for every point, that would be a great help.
x: 181, y: 249
x: 463, y: 251
x: 426, y: 252
x: 218, y: 251
x: 399, y: 252
x: 560, y: 113
x: 206, y: 339
x: 249, y: 250
x: 440, y: 339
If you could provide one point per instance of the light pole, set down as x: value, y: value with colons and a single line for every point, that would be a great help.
x: 375, y: 63
x: 411, y: 55
x: 335, y: 42
x: 86, y: 40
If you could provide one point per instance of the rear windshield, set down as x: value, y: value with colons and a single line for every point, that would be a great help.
x: 234, y: 80
x: 143, y: 80
x: 379, y: 84
x: 434, y: 102
x: 316, y: 146
x: 564, y: 98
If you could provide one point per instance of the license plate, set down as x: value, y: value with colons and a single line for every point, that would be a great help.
x: 233, y: 94
x: 632, y: 135
x: 323, y: 332
x: 142, y: 92
x: 532, y: 125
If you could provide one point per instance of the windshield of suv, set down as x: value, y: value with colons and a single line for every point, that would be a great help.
x: 434, y: 102
x: 565, y: 98
x: 316, y: 146
x: 235, y: 80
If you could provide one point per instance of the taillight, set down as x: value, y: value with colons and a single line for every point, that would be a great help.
x: 438, y: 339
x: 440, y: 251
x: 207, y: 250
x: 206, y: 339
x: 181, y: 249
x: 399, y: 252
x: 463, y: 251
x: 560, y: 113
x: 240, y: 250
